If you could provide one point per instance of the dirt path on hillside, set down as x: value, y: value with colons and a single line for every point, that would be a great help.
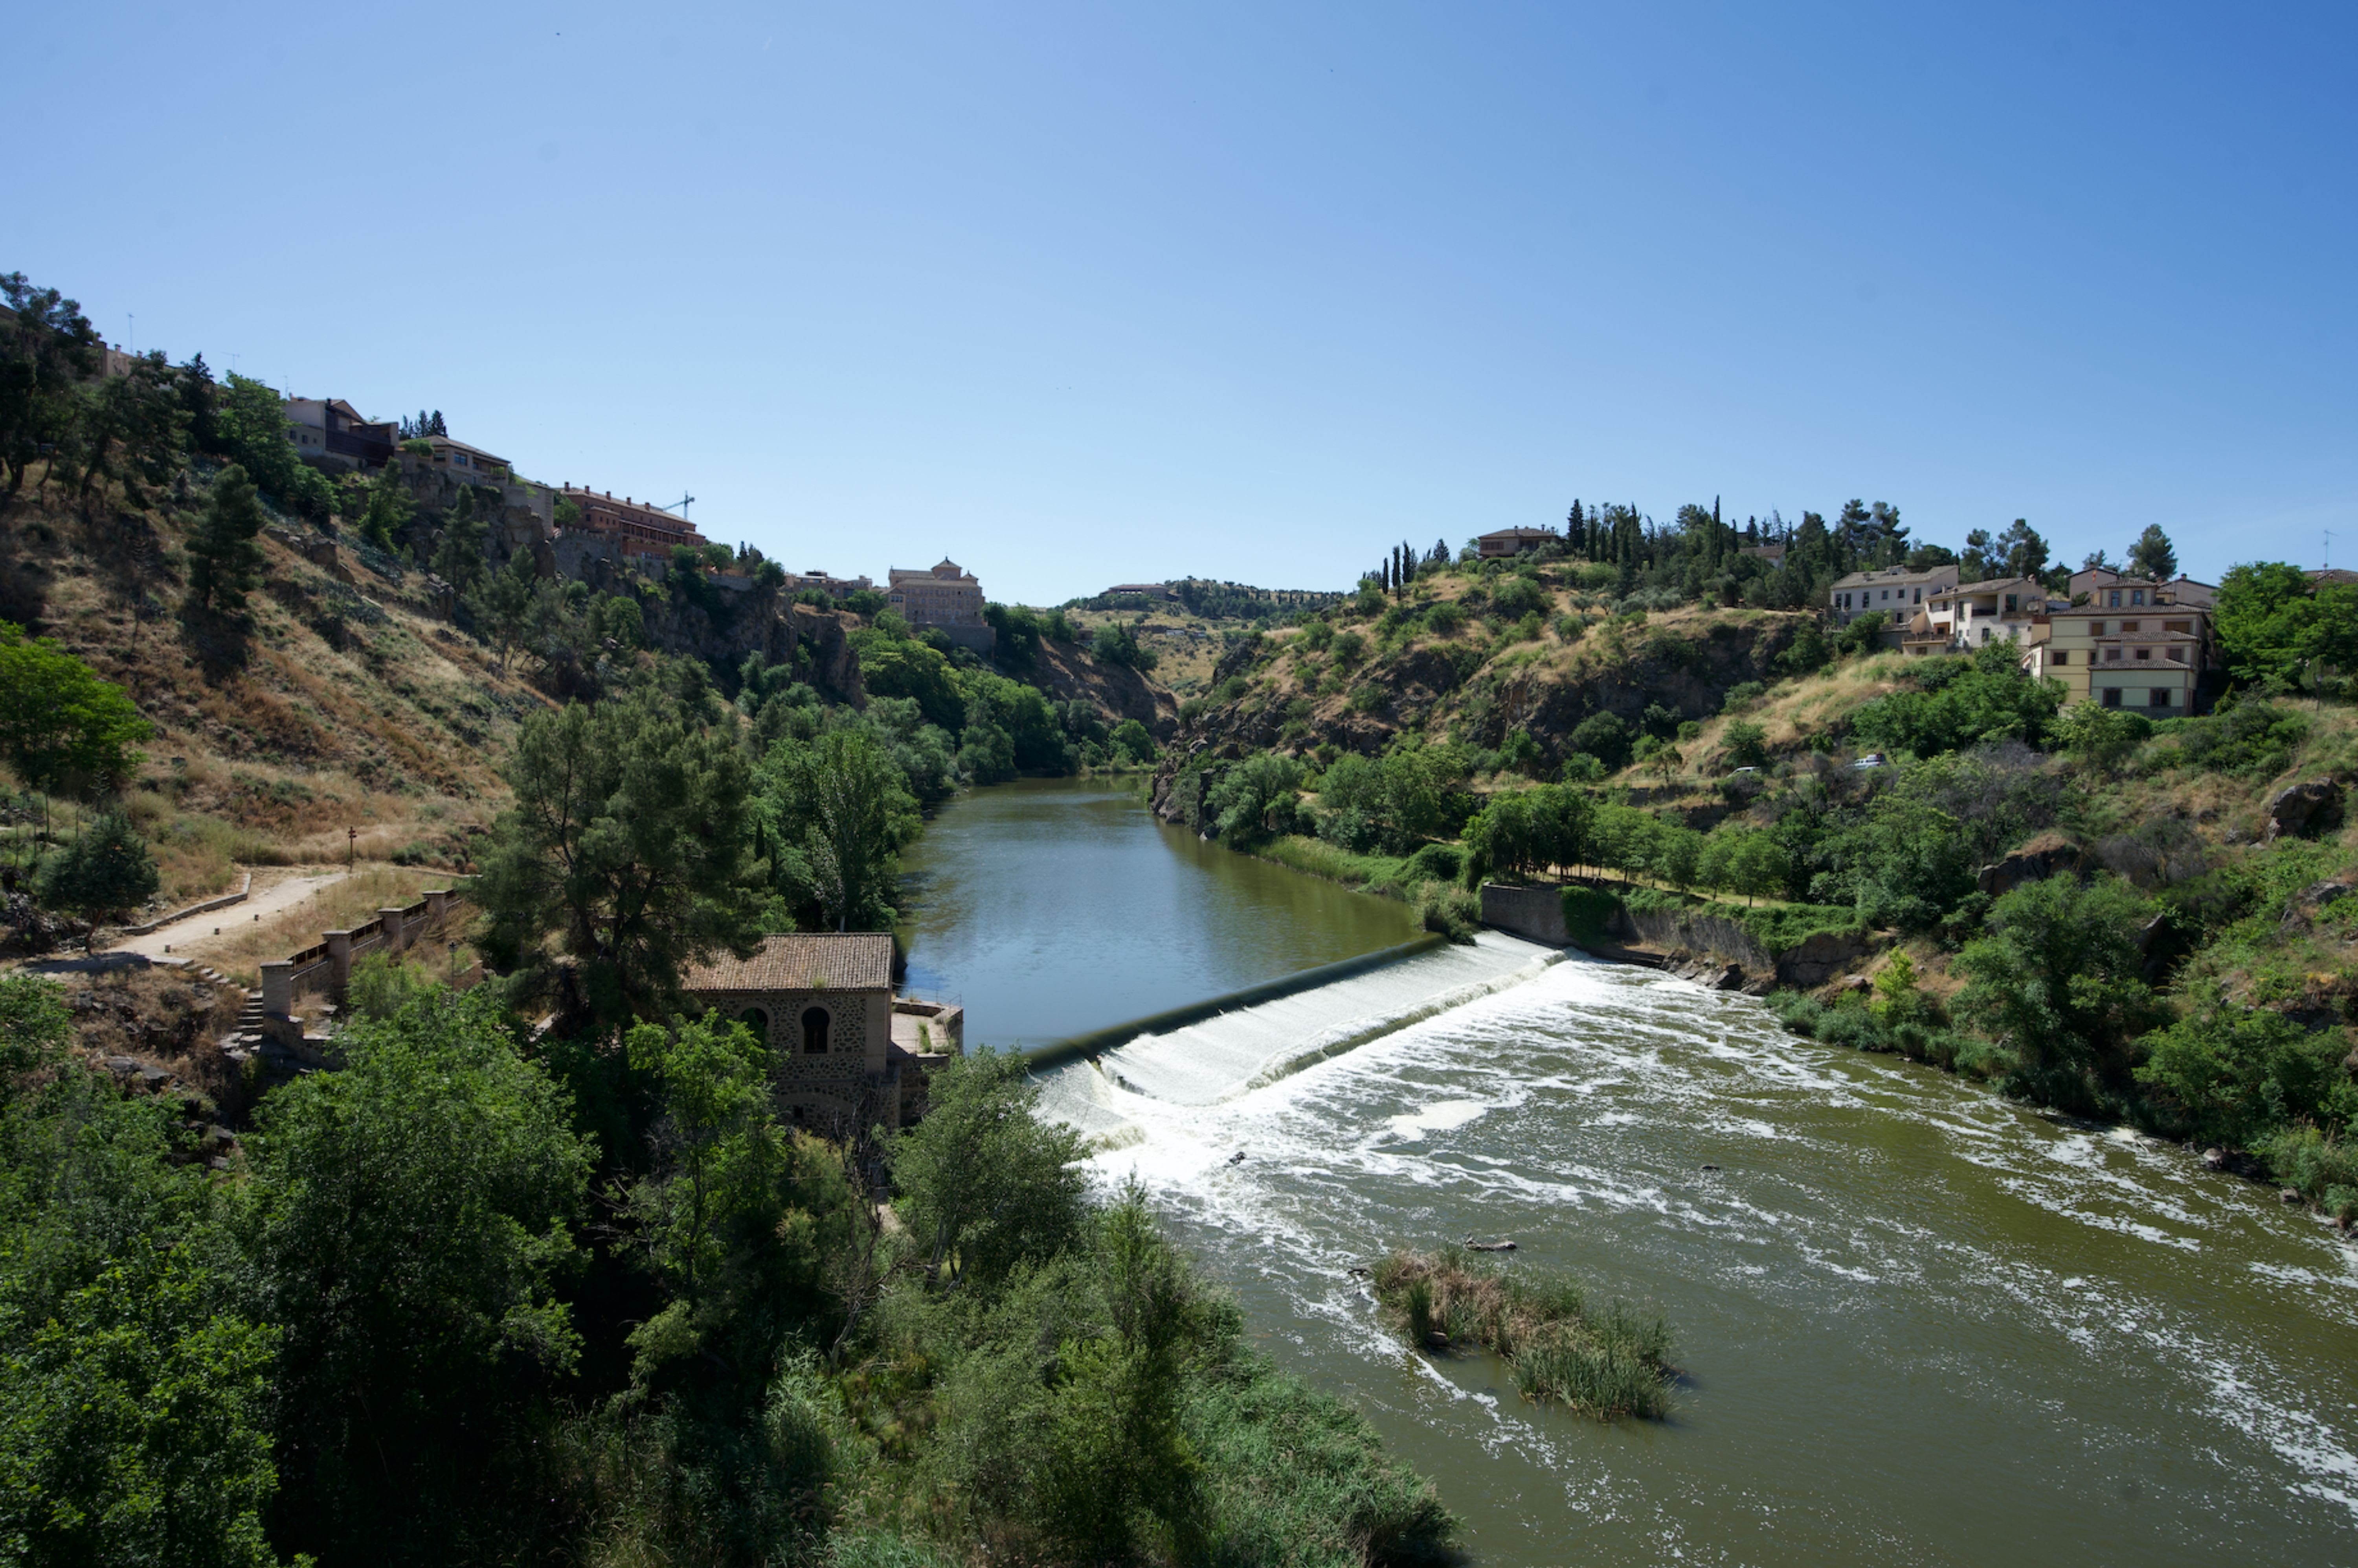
x: 187, y: 938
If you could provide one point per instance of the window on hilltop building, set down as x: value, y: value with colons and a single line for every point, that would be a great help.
x: 2111, y: 656
x: 2114, y: 603
x: 2161, y: 696
x: 2128, y: 625
x: 2063, y: 657
x: 2136, y: 596
x: 2112, y: 696
x: 2146, y: 654
x: 2013, y: 602
x: 2178, y: 655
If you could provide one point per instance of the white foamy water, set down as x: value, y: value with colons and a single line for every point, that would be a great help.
x: 1918, y: 1324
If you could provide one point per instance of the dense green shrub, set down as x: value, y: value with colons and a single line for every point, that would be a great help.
x: 1960, y: 703
x: 2250, y: 740
x: 1449, y: 911
x: 103, y: 871
x: 2059, y: 982
x: 1255, y: 800
x: 2238, y: 1074
x: 1588, y: 913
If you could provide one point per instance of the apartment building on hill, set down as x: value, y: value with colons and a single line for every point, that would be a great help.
x: 329, y: 432
x: 628, y: 526
x: 2127, y: 642
x: 1894, y: 590
x: 1960, y: 619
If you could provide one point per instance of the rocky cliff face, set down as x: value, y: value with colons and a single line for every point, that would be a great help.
x: 1482, y: 691
x: 1119, y: 692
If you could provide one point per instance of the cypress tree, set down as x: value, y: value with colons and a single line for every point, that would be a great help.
x: 224, y: 559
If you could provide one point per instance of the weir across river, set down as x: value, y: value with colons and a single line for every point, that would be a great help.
x: 1918, y: 1324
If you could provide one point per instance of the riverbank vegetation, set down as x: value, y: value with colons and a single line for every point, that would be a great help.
x: 2090, y: 908
x: 1605, y: 1364
x: 484, y: 1295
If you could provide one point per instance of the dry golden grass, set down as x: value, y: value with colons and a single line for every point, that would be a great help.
x: 270, y: 759
x: 246, y: 943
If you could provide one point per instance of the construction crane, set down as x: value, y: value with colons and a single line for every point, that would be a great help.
x: 680, y: 506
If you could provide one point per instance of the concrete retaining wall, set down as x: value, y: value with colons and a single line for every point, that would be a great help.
x: 1536, y: 914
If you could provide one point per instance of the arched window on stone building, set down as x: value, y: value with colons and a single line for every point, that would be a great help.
x: 815, y: 1022
x: 758, y: 1020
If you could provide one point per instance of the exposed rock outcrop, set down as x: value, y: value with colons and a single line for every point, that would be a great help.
x: 2314, y: 900
x: 2047, y: 855
x: 2311, y: 806
x: 1821, y: 955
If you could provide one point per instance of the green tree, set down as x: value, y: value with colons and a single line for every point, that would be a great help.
x: 1962, y: 703
x: 741, y: 1214
x: 2273, y: 620
x: 2058, y: 981
x: 2153, y: 555
x: 60, y: 726
x: 2020, y: 551
x: 1254, y: 799
x: 2239, y: 1073
x: 135, y: 1398
x: 35, y: 1026
x: 1132, y: 740
x: 1118, y: 645
x: 627, y: 839
x: 410, y: 1218
x: 251, y: 420
x: 134, y: 428
x: 47, y: 347
x: 988, y: 1184
x: 2101, y: 737
x: 104, y: 870
x: 224, y: 562
x: 502, y: 604
x: 841, y: 804
x: 459, y: 557
x: 389, y: 509
x: 1746, y: 744
x: 1119, y: 1471
x: 898, y: 666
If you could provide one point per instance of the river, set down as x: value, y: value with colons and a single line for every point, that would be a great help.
x: 1916, y: 1324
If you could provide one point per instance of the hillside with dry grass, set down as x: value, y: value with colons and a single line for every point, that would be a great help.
x: 345, y: 718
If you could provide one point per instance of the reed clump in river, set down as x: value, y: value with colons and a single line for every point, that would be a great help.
x: 1605, y: 1364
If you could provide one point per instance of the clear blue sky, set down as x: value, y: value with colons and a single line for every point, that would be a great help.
x: 1098, y: 292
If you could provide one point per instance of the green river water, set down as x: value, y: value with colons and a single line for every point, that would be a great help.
x: 1916, y: 1324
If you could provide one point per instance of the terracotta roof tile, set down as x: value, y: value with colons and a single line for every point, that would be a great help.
x: 806, y: 960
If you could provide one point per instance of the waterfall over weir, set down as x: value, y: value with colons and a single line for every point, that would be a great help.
x: 1236, y: 1051
x: 1917, y: 1323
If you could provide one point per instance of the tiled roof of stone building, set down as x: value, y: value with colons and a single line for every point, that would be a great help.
x: 806, y: 960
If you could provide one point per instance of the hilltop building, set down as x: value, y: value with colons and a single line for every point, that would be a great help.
x: 329, y: 432
x: 2152, y: 658
x: 1895, y: 590
x: 1513, y: 541
x: 826, y: 582
x: 1956, y: 619
x: 628, y: 527
x: 948, y: 597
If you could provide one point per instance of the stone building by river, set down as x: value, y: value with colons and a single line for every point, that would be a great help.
x: 823, y: 1003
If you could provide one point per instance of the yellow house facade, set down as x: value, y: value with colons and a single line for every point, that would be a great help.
x: 2148, y: 661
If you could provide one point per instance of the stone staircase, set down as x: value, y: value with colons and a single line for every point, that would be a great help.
x: 253, y: 1036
